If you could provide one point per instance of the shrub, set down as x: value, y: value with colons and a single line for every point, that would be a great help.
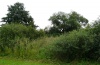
x: 70, y: 46
x: 96, y: 32
x: 10, y: 32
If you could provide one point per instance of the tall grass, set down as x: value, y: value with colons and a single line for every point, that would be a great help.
x: 29, y: 49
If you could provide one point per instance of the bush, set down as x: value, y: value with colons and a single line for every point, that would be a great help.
x: 96, y: 32
x: 10, y: 32
x: 81, y: 44
x: 71, y: 46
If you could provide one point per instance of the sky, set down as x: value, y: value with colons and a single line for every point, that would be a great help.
x: 41, y: 10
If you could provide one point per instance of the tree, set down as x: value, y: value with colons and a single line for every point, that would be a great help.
x: 67, y: 22
x: 78, y: 18
x: 17, y: 14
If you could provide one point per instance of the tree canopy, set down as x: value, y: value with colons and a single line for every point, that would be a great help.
x: 63, y: 22
x: 18, y: 14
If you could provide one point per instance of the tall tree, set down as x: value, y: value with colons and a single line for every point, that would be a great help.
x: 17, y: 14
x: 67, y: 22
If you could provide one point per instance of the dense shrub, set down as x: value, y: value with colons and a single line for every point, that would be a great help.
x: 10, y: 32
x: 96, y: 32
x: 73, y: 45
x: 25, y: 42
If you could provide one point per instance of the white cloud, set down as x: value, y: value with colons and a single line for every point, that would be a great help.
x: 41, y: 10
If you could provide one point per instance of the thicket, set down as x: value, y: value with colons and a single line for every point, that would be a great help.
x: 25, y: 42
x: 9, y: 33
x: 19, y: 37
x: 75, y: 45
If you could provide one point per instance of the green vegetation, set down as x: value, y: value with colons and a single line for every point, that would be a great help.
x: 16, y: 38
x: 71, y: 44
x: 6, y: 61
x: 17, y: 14
x: 10, y: 61
x: 63, y: 22
x: 75, y: 45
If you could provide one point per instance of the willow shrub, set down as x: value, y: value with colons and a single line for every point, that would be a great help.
x: 71, y: 46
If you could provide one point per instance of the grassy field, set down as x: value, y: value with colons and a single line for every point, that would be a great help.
x: 11, y: 61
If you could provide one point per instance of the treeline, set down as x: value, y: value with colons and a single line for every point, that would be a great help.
x: 70, y: 36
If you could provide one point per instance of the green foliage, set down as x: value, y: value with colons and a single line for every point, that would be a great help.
x: 19, y: 37
x: 39, y: 33
x: 77, y: 17
x: 27, y: 49
x: 10, y: 32
x: 53, y: 31
x: 24, y: 41
x: 96, y: 27
x: 73, y: 45
x: 63, y: 22
x: 96, y: 32
x: 17, y: 14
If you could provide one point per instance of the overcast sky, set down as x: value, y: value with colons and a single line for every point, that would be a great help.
x: 41, y: 10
